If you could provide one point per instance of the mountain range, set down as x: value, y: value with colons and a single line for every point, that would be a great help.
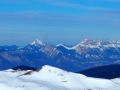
x: 87, y: 54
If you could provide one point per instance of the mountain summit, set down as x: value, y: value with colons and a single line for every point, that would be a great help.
x: 37, y: 43
x: 87, y: 54
x: 52, y: 78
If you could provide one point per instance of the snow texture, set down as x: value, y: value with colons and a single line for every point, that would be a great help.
x: 51, y: 78
x: 37, y: 42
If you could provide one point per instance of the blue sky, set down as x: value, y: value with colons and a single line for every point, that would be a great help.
x: 58, y: 21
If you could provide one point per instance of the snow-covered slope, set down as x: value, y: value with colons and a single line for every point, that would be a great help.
x: 51, y: 78
x: 37, y: 43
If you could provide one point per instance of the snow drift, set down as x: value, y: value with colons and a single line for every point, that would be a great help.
x: 51, y: 78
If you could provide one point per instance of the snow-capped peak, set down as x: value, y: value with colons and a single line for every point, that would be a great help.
x: 118, y: 42
x: 111, y: 41
x: 37, y: 42
x: 84, y: 40
x: 99, y: 42
x: 48, y: 68
x: 88, y: 41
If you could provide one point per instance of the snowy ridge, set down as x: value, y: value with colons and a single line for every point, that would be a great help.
x: 87, y: 43
x: 37, y: 42
x: 51, y: 78
x: 69, y: 48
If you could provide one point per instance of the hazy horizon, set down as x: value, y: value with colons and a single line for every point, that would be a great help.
x: 58, y: 21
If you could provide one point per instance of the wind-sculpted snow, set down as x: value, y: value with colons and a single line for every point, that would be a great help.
x: 51, y: 78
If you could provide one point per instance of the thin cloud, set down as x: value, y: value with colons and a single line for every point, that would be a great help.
x: 92, y: 19
x: 73, y: 5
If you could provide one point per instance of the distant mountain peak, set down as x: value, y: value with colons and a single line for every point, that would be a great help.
x: 88, y: 41
x: 37, y: 42
x: 85, y: 40
x: 111, y: 41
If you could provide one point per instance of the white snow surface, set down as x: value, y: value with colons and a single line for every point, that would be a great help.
x: 69, y: 48
x: 51, y: 78
x: 37, y: 42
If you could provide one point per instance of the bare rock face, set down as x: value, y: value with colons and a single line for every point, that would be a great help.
x: 88, y: 53
x: 10, y: 58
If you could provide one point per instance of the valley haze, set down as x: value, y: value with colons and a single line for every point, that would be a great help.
x: 86, y: 54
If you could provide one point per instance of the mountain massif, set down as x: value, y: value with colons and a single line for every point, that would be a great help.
x: 52, y: 78
x: 87, y: 54
x: 106, y: 72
